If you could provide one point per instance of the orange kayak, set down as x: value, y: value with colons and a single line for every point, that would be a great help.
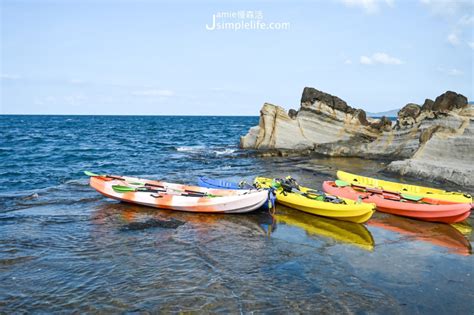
x: 427, y: 210
x: 176, y: 196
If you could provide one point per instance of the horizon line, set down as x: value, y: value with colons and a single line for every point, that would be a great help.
x: 151, y: 115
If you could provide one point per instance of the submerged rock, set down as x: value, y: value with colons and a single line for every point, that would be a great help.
x: 152, y: 223
x: 433, y: 141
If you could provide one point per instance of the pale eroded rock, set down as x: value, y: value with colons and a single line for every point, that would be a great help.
x: 433, y: 141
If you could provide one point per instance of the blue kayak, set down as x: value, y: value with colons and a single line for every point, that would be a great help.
x: 223, y: 184
x: 217, y: 183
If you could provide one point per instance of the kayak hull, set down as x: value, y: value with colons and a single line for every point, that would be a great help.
x: 223, y: 184
x: 446, y: 213
x: 350, y: 211
x: 228, y: 201
x: 427, y: 192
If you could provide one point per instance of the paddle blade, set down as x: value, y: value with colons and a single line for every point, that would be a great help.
x: 341, y: 183
x: 122, y: 189
x: 411, y: 197
x: 275, y: 184
x: 90, y: 174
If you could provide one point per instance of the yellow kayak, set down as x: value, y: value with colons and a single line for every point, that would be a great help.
x: 344, y: 232
x: 348, y: 210
x: 426, y: 192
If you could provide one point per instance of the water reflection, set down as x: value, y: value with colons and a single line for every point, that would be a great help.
x: 341, y: 231
x: 443, y: 235
x: 463, y: 227
x: 124, y: 215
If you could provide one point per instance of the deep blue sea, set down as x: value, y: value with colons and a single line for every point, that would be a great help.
x: 64, y: 248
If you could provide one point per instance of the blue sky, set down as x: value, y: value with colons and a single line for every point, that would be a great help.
x: 158, y: 58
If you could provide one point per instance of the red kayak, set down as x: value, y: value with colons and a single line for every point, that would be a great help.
x: 423, y: 209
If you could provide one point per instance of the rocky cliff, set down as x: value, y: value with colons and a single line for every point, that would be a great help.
x: 434, y: 140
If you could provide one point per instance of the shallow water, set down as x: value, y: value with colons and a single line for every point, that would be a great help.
x: 63, y: 247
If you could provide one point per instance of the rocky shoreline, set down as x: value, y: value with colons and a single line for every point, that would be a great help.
x: 433, y: 141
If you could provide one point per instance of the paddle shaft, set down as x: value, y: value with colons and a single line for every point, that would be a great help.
x: 189, y: 192
x: 185, y: 190
x: 385, y: 193
x: 186, y: 194
x: 306, y: 194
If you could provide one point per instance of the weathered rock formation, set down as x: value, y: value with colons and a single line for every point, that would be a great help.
x: 434, y: 140
x: 446, y: 151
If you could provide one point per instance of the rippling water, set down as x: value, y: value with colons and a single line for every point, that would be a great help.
x: 63, y: 247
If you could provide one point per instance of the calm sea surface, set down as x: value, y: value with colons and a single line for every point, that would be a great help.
x: 64, y: 247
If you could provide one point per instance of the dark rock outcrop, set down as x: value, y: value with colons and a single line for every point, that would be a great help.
x: 449, y: 101
x: 311, y: 96
x: 383, y: 124
x: 407, y: 116
x: 410, y: 110
x: 427, y: 105
x: 292, y: 113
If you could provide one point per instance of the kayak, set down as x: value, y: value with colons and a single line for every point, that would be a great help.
x: 396, y: 204
x: 433, y: 193
x: 341, y: 231
x: 176, y: 196
x: 311, y: 201
x: 223, y: 184
x: 217, y: 183
x: 443, y: 235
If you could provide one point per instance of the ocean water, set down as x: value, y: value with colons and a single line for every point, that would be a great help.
x: 64, y: 247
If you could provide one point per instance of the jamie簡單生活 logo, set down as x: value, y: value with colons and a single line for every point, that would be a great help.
x: 243, y: 20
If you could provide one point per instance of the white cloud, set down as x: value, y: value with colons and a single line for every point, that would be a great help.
x: 453, y: 39
x: 386, y: 59
x: 365, y: 60
x: 455, y: 72
x: 348, y: 62
x: 74, y: 100
x: 69, y: 100
x: 5, y: 76
x: 380, y: 58
x: 448, y: 8
x: 218, y: 89
x: 458, y: 15
x: 471, y: 44
x: 369, y: 6
x: 451, y: 72
x: 153, y: 92
x: 466, y: 20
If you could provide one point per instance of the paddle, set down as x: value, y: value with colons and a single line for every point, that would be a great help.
x: 290, y: 185
x: 91, y: 174
x: 341, y: 183
x: 307, y: 195
x: 125, y: 189
x: 169, y: 188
